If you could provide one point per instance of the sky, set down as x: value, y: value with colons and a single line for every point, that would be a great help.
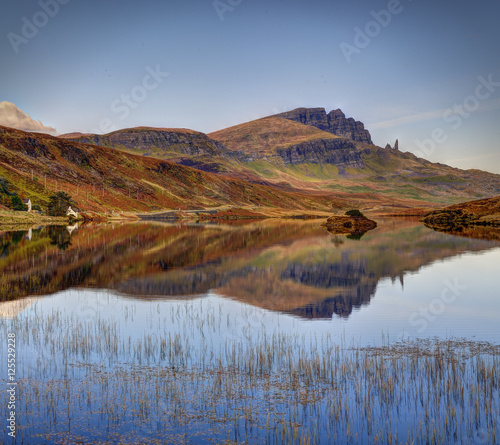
x: 426, y: 72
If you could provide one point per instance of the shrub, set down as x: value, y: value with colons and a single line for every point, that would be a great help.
x: 4, y: 187
x: 59, y: 203
x: 36, y: 207
x: 6, y: 201
x: 17, y: 203
x: 8, y: 198
x: 355, y: 212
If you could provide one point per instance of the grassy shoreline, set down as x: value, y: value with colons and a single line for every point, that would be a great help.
x: 13, y: 218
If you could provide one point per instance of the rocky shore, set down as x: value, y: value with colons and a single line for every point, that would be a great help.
x: 484, y: 212
x: 476, y: 219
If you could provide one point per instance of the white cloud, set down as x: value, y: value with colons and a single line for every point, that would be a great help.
x: 13, y: 117
x: 488, y: 105
x: 417, y: 117
x: 489, y: 162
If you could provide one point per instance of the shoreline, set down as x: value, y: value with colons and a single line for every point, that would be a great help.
x: 14, y: 218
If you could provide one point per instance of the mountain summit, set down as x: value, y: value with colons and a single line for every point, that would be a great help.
x: 334, y: 122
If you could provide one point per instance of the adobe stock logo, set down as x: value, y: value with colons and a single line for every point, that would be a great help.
x: 221, y: 7
x: 424, y: 316
x: 455, y: 116
x: 30, y: 28
x: 123, y: 105
x: 373, y: 28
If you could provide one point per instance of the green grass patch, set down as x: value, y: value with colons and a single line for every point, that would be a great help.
x: 443, y: 179
x: 312, y: 172
x: 263, y: 168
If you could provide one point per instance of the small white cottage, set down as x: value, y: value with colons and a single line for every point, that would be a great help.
x: 27, y: 202
x: 71, y: 212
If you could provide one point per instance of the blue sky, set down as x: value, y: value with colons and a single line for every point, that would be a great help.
x: 398, y: 66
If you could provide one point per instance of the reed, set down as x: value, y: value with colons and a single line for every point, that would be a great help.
x: 90, y: 379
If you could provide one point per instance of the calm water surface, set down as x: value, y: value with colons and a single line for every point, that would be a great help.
x: 107, y: 300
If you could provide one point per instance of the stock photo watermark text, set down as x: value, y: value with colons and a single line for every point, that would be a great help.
x: 363, y: 36
x: 11, y: 385
x: 123, y: 105
x: 30, y: 27
x: 457, y: 114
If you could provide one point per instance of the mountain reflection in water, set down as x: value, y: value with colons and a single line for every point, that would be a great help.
x: 291, y: 267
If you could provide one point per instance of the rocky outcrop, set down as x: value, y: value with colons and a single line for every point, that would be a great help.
x: 396, y: 146
x: 277, y: 140
x: 354, y: 225
x: 334, y: 122
x: 340, y: 152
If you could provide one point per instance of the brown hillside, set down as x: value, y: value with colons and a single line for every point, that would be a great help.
x: 475, y: 219
x: 262, y: 137
x: 101, y: 178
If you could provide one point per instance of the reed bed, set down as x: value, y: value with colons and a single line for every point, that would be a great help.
x: 88, y: 381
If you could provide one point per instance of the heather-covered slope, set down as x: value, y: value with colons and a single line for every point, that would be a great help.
x: 105, y: 179
x: 476, y: 219
x: 313, y: 151
x: 480, y: 212
x: 308, y: 150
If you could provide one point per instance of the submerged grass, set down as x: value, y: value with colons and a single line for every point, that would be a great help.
x: 86, y: 381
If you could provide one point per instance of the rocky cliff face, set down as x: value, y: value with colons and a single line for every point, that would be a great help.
x: 149, y: 140
x: 340, y: 152
x: 334, y: 122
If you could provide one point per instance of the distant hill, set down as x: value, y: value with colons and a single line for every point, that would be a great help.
x: 180, y: 145
x: 308, y: 148
x: 148, y: 141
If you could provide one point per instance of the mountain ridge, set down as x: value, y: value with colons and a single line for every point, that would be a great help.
x: 290, y: 154
x: 143, y: 140
x: 298, y: 150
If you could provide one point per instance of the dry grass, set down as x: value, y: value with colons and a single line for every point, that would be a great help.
x: 11, y: 219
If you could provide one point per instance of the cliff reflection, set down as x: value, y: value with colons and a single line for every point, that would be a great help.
x: 291, y: 267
